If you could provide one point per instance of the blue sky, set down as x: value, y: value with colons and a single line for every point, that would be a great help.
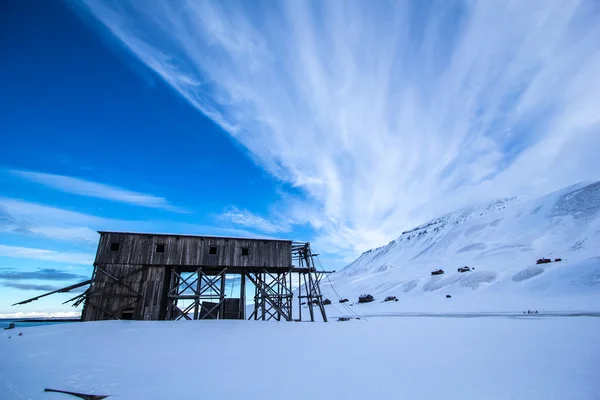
x: 338, y: 123
x: 92, y: 140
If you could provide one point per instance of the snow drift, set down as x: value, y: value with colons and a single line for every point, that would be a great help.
x: 383, y: 358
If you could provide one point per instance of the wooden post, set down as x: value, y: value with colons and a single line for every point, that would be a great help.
x: 280, y: 297
x: 299, y: 297
x: 222, y: 296
x: 256, y: 298
x: 291, y: 296
x: 263, y: 297
x: 315, y: 285
x: 309, y: 297
x: 243, y: 296
x: 197, y: 299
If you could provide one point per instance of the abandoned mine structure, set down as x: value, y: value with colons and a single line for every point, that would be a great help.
x: 144, y: 276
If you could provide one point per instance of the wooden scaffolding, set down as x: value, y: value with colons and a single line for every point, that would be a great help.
x: 274, y: 291
x: 175, y: 277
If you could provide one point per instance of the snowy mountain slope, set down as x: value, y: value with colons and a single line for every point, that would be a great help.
x: 502, y: 242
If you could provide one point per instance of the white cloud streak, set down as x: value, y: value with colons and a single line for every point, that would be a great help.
x: 385, y: 113
x: 250, y: 220
x: 33, y: 219
x: 22, y: 217
x: 97, y: 190
x: 46, y: 255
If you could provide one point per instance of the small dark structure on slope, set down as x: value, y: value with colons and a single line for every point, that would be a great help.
x: 170, y: 277
x: 543, y: 261
x: 365, y: 298
x: 343, y: 300
x: 557, y: 259
x: 464, y: 269
x: 437, y: 272
x: 391, y: 298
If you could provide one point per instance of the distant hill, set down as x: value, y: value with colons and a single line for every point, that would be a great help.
x: 500, y: 242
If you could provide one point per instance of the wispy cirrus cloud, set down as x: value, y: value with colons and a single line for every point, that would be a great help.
x: 384, y: 113
x: 46, y: 255
x: 248, y: 219
x: 27, y: 218
x: 48, y: 222
x: 97, y: 190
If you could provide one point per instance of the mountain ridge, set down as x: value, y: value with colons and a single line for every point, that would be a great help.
x: 501, y: 241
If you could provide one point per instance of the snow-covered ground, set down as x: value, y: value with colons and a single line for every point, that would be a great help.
x: 475, y: 345
x: 501, y: 242
x: 382, y: 358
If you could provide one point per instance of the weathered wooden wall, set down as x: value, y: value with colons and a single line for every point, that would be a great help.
x: 145, y: 274
x: 144, y: 291
x: 140, y: 249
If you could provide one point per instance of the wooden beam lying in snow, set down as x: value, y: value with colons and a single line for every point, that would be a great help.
x: 80, y: 395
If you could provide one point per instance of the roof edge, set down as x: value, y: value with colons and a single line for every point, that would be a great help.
x: 190, y: 235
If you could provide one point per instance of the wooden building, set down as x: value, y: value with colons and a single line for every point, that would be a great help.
x: 170, y: 277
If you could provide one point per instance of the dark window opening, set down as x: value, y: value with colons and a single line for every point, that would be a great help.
x: 127, y: 314
x: 160, y: 248
x: 244, y: 251
x: 115, y: 246
x: 212, y: 250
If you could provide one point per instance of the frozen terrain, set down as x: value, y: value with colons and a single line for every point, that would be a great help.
x: 475, y: 345
x: 382, y: 358
x: 502, y: 242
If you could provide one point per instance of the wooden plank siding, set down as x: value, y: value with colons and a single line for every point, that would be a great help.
x: 112, y: 297
x: 145, y: 274
x: 140, y: 249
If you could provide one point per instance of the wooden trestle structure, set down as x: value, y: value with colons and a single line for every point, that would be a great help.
x: 174, y: 277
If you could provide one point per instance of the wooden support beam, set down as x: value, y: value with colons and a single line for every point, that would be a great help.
x: 197, y: 300
x: 222, y: 296
x: 93, y: 291
x: 91, y: 303
x: 243, y: 296
x: 269, y: 298
x: 299, y: 297
x: 61, y: 290
x: 208, y: 286
x: 211, y: 310
x: 120, y: 281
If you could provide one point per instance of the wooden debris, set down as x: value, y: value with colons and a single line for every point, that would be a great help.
x: 80, y: 395
x: 61, y: 290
